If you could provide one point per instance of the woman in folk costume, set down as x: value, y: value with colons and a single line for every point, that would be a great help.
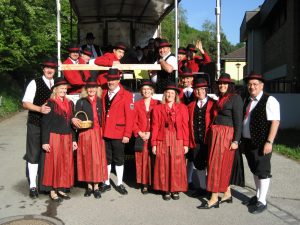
x: 91, y: 155
x: 224, y: 138
x: 142, y: 132
x: 170, y: 140
x: 58, y: 140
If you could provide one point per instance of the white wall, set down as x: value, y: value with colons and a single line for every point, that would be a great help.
x: 289, y: 110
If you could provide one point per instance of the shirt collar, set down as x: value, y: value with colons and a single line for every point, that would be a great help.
x: 257, y: 98
x: 115, y: 91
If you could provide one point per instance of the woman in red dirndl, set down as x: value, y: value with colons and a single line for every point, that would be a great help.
x: 91, y: 155
x: 170, y: 139
x: 141, y: 129
x: 224, y: 138
x: 58, y: 140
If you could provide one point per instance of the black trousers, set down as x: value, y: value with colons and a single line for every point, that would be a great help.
x: 198, y: 156
x: 115, y: 151
x: 259, y: 164
x: 33, y: 144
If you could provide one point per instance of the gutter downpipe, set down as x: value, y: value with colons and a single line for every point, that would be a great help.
x: 176, y: 38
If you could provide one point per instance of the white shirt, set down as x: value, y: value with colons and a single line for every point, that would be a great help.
x: 31, y: 89
x: 111, y: 94
x: 188, y: 91
x: 272, y: 111
x: 171, y: 60
x: 74, y: 61
x: 204, y: 101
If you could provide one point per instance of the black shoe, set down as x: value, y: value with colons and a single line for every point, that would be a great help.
x: 252, y: 201
x: 206, y: 206
x: 121, y: 189
x: 55, y: 198
x: 33, y: 193
x: 175, y: 195
x: 63, y: 195
x: 88, y: 192
x: 104, y: 188
x: 191, y: 186
x: 167, y: 196
x: 258, y: 208
x: 228, y: 200
x: 97, y: 193
x: 145, y: 190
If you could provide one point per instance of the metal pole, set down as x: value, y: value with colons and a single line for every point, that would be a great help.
x: 218, y: 13
x: 176, y: 38
x: 58, y: 7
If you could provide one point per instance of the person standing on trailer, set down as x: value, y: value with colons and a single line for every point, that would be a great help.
x: 110, y: 59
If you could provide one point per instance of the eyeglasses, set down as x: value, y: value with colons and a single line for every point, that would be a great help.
x: 253, y: 84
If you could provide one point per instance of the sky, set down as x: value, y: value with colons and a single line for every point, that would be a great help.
x: 232, y: 14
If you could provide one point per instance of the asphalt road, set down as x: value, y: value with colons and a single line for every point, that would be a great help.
x: 135, y: 208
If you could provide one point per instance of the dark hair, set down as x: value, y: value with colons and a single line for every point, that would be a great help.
x: 230, y: 90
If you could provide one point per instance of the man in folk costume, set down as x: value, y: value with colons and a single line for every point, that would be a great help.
x: 76, y: 78
x: 118, y: 115
x: 187, y: 96
x: 34, y: 100
x: 192, y: 61
x: 200, y: 114
x: 260, y: 125
x: 110, y: 59
x: 95, y: 49
x: 168, y: 64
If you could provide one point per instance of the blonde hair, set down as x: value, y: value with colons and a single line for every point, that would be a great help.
x: 54, y: 92
x: 152, y: 89
x: 177, y: 99
x: 84, y: 92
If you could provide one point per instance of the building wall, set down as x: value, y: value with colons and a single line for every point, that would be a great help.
x: 289, y: 111
x: 235, y: 73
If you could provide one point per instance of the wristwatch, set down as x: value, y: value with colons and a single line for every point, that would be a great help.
x: 270, y: 142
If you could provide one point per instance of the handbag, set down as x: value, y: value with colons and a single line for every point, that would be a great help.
x: 138, y: 144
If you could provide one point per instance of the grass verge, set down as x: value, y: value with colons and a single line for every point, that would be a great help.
x: 288, y: 144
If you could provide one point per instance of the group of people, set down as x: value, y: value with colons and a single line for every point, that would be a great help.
x: 186, y: 131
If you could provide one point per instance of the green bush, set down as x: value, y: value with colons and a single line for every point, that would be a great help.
x: 9, y: 105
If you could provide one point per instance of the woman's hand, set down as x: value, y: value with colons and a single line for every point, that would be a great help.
x: 75, y: 146
x: 76, y: 122
x: 234, y: 146
x: 154, y: 150
x: 186, y: 149
x: 46, y: 147
x: 146, y: 136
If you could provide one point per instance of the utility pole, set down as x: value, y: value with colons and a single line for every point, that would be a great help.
x: 218, y: 28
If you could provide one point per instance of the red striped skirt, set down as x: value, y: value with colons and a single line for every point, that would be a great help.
x: 143, y: 165
x: 91, y: 156
x: 220, y: 158
x: 59, y: 164
x: 170, y: 166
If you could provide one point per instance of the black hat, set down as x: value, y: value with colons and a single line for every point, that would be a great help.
x: 89, y: 36
x: 120, y: 45
x: 200, y: 82
x: 91, y: 82
x: 87, y: 51
x: 224, y: 78
x: 164, y: 43
x: 172, y: 86
x: 74, y: 48
x: 113, y: 74
x: 186, y: 72
x: 254, y: 76
x: 59, y: 81
x: 147, y: 83
x: 191, y: 47
x: 181, y: 50
x: 50, y: 62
